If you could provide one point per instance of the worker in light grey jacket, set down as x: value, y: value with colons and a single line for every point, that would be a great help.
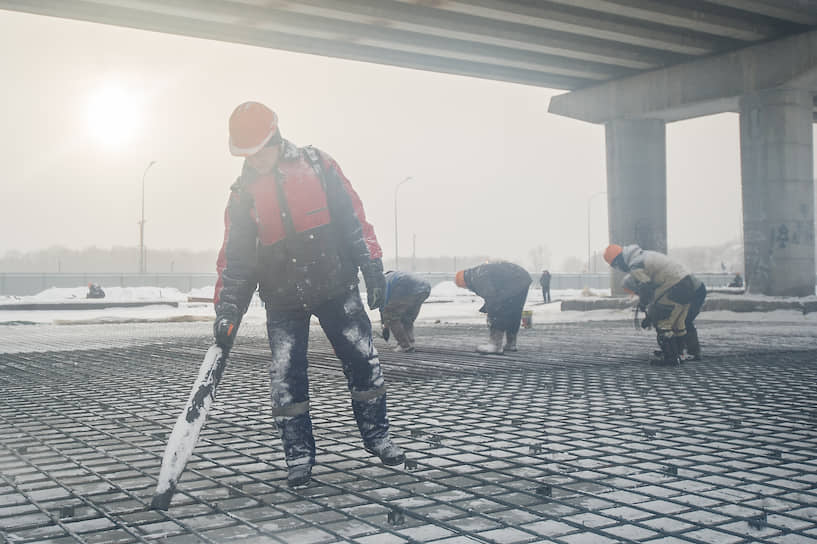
x: 663, y: 284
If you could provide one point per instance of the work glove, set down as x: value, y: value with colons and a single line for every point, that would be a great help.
x: 375, y: 283
x: 225, y: 327
x: 646, y: 323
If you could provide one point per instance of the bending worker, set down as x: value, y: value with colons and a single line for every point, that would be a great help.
x: 405, y: 294
x: 504, y: 286
x: 664, y: 287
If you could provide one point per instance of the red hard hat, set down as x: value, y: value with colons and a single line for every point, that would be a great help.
x: 612, y: 251
x: 252, y: 124
x: 459, y: 279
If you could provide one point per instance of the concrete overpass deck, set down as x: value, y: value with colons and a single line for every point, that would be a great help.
x: 573, y: 439
x: 562, y: 44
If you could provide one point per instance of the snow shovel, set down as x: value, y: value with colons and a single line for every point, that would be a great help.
x: 186, y: 431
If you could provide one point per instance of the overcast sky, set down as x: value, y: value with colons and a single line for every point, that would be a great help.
x: 493, y: 172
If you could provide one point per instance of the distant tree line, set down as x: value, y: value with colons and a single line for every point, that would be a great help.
x: 726, y: 257
x: 116, y: 259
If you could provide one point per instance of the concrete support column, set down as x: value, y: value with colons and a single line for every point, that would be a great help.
x: 777, y: 174
x: 636, y: 185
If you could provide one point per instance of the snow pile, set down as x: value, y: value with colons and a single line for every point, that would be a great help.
x: 448, y: 289
x: 112, y: 294
x: 446, y: 304
x: 203, y: 292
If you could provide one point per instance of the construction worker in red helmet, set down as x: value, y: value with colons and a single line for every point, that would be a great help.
x: 665, y: 289
x: 296, y: 230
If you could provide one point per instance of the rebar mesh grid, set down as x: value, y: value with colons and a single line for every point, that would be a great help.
x: 573, y: 439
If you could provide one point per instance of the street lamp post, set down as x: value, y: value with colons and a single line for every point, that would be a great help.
x: 142, y: 266
x: 589, y: 202
x: 396, y: 253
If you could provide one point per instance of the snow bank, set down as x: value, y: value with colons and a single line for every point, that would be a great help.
x: 115, y: 294
x: 446, y: 304
x: 448, y: 289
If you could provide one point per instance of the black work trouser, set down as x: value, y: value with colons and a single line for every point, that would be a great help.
x: 546, y: 294
x: 506, y: 315
x: 347, y: 326
x: 693, y: 344
x: 695, y: 306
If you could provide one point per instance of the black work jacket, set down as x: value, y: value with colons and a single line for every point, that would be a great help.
x: 497, y: 281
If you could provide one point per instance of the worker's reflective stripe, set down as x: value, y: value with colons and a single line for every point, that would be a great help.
x: 368, y: 395
x: 292, y: 410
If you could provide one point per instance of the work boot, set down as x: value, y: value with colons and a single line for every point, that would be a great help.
x: 669, y: 351
x: 494, y: 344
x: 373, y: 424
x: 299, y: 475
x: 299, y: 447
x: 390, y: 453
x: 693, y: 345
x: 681, y: 347
x: 510, y: 341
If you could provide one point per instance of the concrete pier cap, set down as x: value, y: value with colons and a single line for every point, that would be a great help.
x: 772, y: 86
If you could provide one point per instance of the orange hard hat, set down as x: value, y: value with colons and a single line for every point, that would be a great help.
x: 252, y: 125
x: 612, y: 251
x: 460, y: 279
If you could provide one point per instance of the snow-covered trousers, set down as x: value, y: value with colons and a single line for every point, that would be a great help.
x: 399, y: 316
x: 346, y: 324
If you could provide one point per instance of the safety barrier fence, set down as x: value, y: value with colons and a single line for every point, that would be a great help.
x: 30, y: 283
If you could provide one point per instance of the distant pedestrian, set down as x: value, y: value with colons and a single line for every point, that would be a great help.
x: 737, y: 281
x: 504, y: 286
x: 544, y: 281
x: 405, y: 294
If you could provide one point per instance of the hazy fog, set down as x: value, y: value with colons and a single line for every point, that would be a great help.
x: 494, y: 173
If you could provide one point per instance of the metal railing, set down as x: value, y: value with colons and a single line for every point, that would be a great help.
x: 31, y: 283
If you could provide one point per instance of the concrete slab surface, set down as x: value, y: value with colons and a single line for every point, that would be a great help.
x: 573, y: 439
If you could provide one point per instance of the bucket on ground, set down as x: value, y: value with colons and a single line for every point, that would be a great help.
x: 527, y: 318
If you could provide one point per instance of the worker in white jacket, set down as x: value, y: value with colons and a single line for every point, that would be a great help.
x: 665, y: 289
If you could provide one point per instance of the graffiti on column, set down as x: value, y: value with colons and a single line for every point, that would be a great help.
x: 783, y: 241
x: 782, y: 237
x: 797, y: 233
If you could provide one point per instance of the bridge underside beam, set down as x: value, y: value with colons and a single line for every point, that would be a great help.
x: 697, y: 88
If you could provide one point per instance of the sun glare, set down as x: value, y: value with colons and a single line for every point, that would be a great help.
x: 114, y: 115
